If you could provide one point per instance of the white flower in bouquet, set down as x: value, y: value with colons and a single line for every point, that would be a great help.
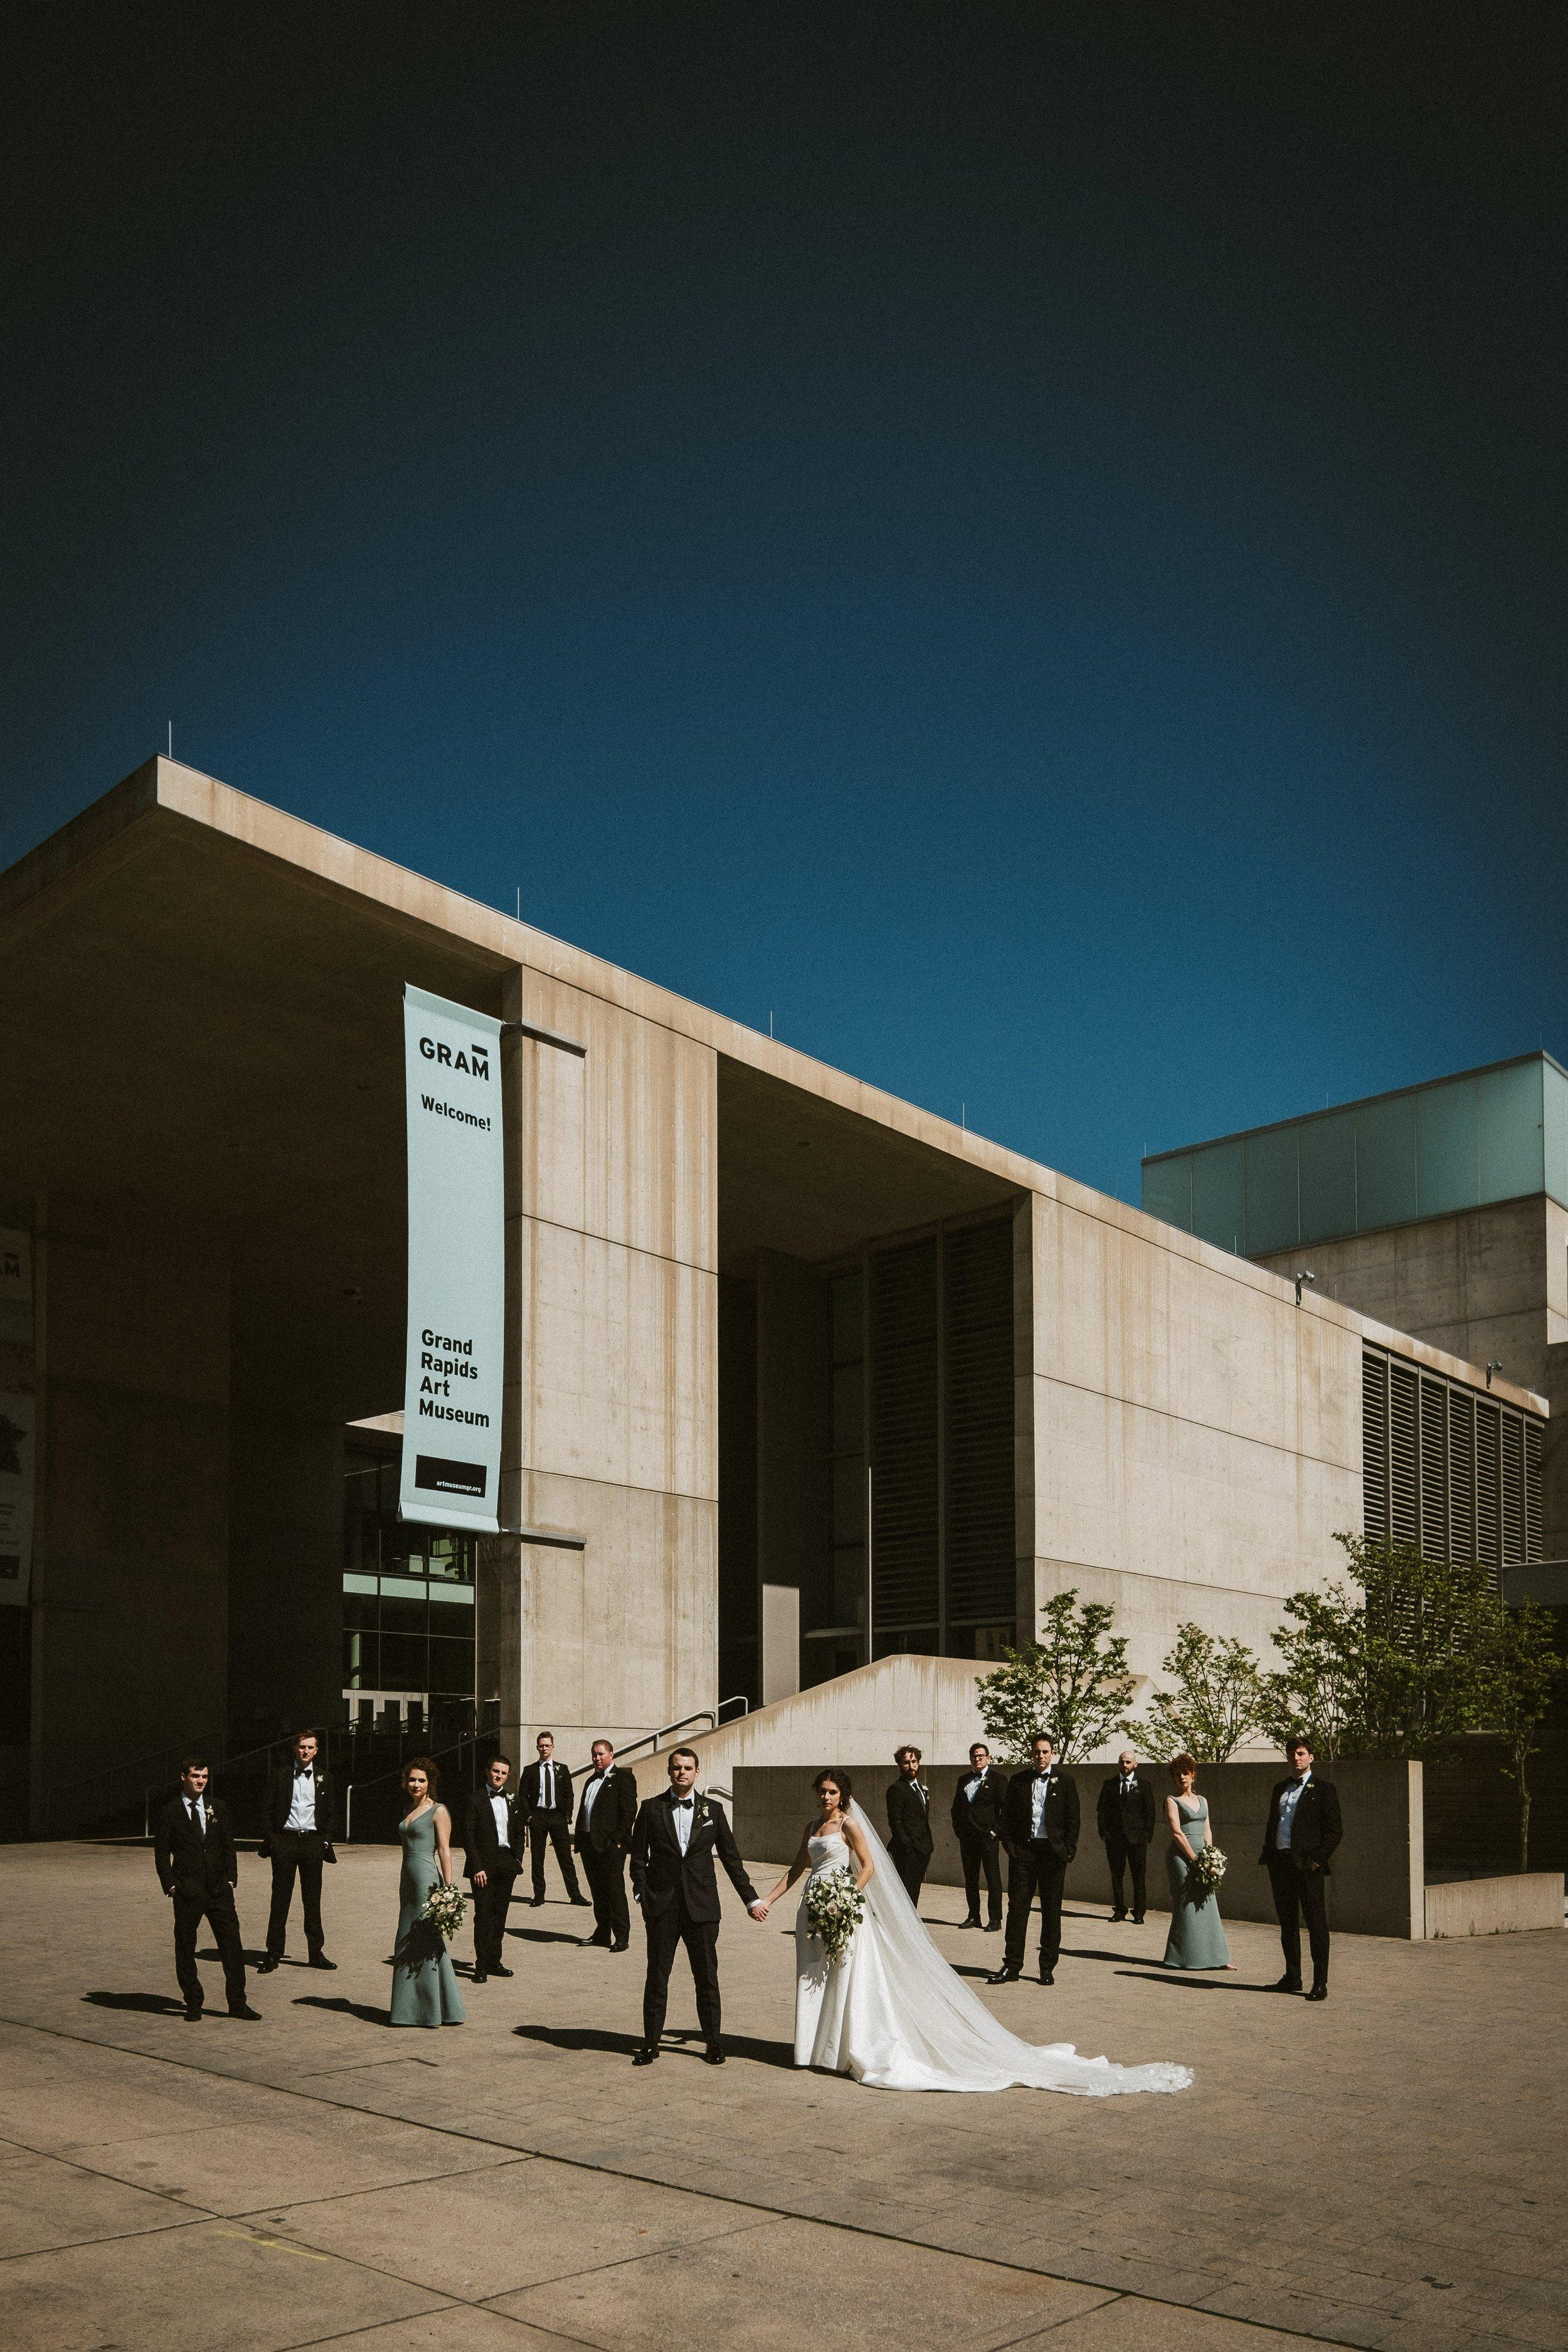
x: 834, y: 1907
x: 444, y: 1907
x: 1208, y: 1869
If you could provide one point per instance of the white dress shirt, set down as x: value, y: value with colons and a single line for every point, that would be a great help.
x: 303, y: 1802
x: 1038, y: 1795
x: 503, y: 1825
x: 1288, y: 1804
x: 591, y: 1790
x: 683, y: 1812
x: 971, y: 1788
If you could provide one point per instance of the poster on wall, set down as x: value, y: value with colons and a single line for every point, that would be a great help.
x: 454, y: 1369
x: 17, y: 1431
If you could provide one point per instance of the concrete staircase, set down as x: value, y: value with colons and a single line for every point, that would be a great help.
x: 869, y: 1712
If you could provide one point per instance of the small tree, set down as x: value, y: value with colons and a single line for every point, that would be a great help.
x: 1218, y: 1702
x: 1523, y: 1673
x: 1073, y: 1682
x: 1319, y: 1688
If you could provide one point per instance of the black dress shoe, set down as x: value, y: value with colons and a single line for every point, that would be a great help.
x: 480, y: 1976
x: 319, y: 1961
x: 193, y: 2012
x: 1287, y: 1984
x: 993, y: 1927
x: 624, y: 1946
x: 535, y: 1900
x: 497, y: 1970
x: 1047, y: 1976
x: 1117, y: 1917
x: 714, y: 2055
x: 969, y: 1923
x: 600, y: 1937
x: 1004, y: 1976
x: 1137, y: 1918
x: 645, y: 2056
x: 580, y: 1903
x: 243, y: 2008
x: 267, y: 1965
x: 1319, y: 1992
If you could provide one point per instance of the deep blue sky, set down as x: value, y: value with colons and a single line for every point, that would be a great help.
x: 1028, y: 542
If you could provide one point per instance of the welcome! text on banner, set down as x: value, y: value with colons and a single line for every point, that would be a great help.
x: 455, y: 1365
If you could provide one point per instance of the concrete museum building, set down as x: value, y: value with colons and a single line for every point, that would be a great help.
x: 799, y: 1377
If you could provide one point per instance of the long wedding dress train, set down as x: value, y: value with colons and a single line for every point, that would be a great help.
x: 894, y: 2015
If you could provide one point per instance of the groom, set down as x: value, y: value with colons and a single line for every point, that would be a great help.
x: 1039, y: 1830
x: 674, y: 1842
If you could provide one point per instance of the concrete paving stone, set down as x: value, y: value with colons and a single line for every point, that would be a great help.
x: 1129, y: 2325
x: 238, y: 2167
x: 458, y: 2328
x: 231, y: 2286
x: 766, y: 2286
x: 44, y: 2203
x: 1335, y: 2322
x: 518, y: 2226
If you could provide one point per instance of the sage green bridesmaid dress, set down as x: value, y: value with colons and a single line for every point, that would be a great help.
x: 1196, y: 1939
x: 424, y: 1984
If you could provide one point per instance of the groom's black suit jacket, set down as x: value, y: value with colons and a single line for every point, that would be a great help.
x: 481, y: 1847
x: 662, y: 1875
x: 188, y: 1864
x: 1316, y: 1829
x: 1062, y: 1813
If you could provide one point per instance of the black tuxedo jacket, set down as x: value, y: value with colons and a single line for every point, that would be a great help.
x: 280, y: 1796
x: 1129, y: 1820
x: 1316, y: 1829
x: 190, y: 1864
x: 983, y: 1817
x: 909, y: 1817
x: 528, y: 1791
x: 615, y: 1813
x: 481, y: 1847
x: 1062, y: 1820
x: 662, y: 1875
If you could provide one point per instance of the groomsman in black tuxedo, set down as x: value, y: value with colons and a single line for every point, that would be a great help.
x: 492, y: 1856
x: 1125, y: 1816
x: 193, y: 1846
x: 1304, y: 1828
x: 674, y: 1842
x: 300, y: 1814
x: 909, y: 1822
x: 977, y: 1803
x: 547, y: 1813
x: 1039, y: 1829
x: 606, y: 1815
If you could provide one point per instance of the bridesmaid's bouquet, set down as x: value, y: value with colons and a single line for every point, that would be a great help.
x: 1208, y: 1868
x: 834, y: 1907
x: 444, y: 1907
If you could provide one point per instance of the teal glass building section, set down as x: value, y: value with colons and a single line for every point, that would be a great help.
x: 1495, y: 1134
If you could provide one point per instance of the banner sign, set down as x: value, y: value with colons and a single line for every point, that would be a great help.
x: 17, y: 1426
x: 453, y: 1368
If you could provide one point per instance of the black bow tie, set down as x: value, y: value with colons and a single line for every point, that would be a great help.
x: 304, y: 1771
x: 683, y: 1804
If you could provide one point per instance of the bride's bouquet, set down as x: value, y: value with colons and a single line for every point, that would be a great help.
x: 444, y: 1907
x: 1208, y: 1868
x: 834, y: 1907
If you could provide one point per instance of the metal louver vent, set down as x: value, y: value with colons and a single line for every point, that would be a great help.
x: 1447, y: 1468
x: 1404, y: 1454
x: 1434, y: 1469
x: 904, y: 1419
x: 977, y: 1380
x: 1374, y: 1445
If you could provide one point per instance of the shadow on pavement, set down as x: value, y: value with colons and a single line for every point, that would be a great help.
x: 622, y: 2045
x: 345, y: 2007
x: 154, y: 2004
x: 546, y: 1936
x: 1189, y: 1980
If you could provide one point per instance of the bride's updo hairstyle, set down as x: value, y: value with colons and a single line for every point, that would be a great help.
x: 841, y: 1782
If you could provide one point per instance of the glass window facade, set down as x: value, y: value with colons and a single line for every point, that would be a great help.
x: 408, y: 1594
x: 1498, y: 1134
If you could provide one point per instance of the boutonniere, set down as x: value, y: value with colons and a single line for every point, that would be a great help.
x: 699, y: 1812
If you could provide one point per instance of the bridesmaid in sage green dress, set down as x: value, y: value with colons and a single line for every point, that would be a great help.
x: 1196, y: 1939
x: 424, y: 1986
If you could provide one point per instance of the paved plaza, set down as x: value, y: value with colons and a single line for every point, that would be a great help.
x: 1382, y: 2170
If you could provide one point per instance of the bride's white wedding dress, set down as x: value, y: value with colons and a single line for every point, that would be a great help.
x: 894, y: 2015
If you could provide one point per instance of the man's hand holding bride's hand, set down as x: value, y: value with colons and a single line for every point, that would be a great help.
x: 758, y: 1910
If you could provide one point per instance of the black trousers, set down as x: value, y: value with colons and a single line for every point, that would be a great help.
x: 911, y: 1868
x: 982, y: 1853
x: 1134, y: 1858
x: 295, y: 1853
x: 1298, y: 1894
x: 1036, y: 1869
x: 491, y: 1902
x: 552, y: 1826
x: 216, y: 1906
x: 607, y: 1876
x: 665, y: 1929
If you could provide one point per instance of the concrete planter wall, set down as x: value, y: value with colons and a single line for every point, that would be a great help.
x: 1378, y: 1887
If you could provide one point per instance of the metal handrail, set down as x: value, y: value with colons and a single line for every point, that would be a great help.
x: 712, y: 1716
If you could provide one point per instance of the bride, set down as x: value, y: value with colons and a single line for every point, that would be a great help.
x: 891, y: 2011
